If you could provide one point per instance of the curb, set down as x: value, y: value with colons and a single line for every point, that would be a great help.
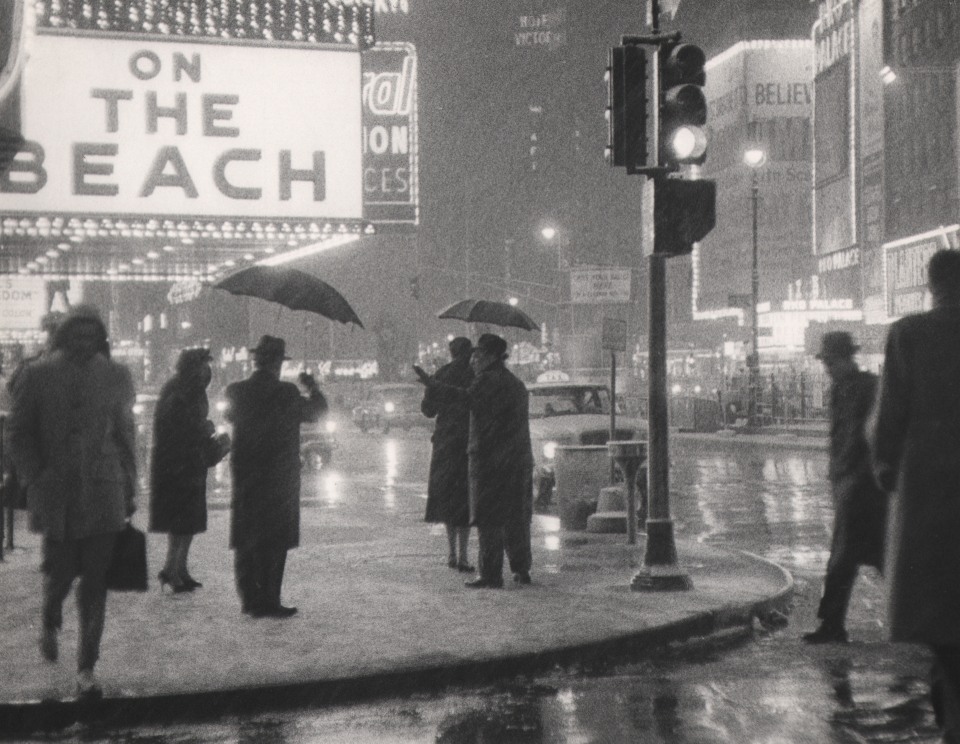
x: 47, y: 716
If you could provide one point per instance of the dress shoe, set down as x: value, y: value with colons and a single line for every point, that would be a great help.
x: 279, y: 612
x: 88, y: 688
x: 177, y: 587
x: 452, y: 562
x: 464, y: 567
x: 482, y: 583
x: 826, y: 634
x: 49, y: 649
x: 522, y: 577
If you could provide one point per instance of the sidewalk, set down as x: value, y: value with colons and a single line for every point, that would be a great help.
x: 379, y: 612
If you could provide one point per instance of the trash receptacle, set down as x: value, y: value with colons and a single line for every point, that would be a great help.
x: 581, y: 471
x: 695, y: 414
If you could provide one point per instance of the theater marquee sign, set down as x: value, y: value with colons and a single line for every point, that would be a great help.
x: 171, y: 127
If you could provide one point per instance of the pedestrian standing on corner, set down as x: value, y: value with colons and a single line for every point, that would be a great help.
x: 448, y: 489
x: 265, y: 510
x: 860, y: 507
x: 72, y: 436
x: 500, y: 463
x: 915, y: 441
x: 185, y: 446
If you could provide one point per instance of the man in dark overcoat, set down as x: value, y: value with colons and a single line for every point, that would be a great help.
x: 860, y: 507
x: 447, y: 500
x: 266, y: 414
x: 500, y: 463
x: 915, y: 439
x: 72, y: 440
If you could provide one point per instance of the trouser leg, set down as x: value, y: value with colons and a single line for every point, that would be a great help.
x: 95, y: 555
x: 451, y: 542
x: 463, y: 543
x: 245, y: 564
x: 837, y: 587
x: 517, y: 535
x: 490, y: 553
x: 945, y: 691
x: 274, y: 562
x: 60, y: 566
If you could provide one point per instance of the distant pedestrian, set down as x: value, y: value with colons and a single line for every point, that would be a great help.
x: 447, y: 492
x: 72, y: 436
x: 860, y: 507
x: 185, y: 446
x: 500, y: 463
x: 915, y: 438
x: 266, y: 414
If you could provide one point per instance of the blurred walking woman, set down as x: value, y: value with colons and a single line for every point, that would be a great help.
x: 184, y: 447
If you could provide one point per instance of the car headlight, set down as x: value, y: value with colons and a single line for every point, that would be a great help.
x: 222, y: 405
x: 549, y: 450
x: 389, y: 407
x: 330, y: 426
x: 137, y: 409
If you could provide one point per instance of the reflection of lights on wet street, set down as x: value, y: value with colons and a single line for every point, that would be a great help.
x: 331, y: 487
x: 390, y: 473
x: 550, y: 526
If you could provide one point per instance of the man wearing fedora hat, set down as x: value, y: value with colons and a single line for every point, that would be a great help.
x: 265, y: 510
x: 859, y: 505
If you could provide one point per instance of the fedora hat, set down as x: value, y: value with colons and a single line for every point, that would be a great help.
x: 270, y: 347
x: 837, y: 344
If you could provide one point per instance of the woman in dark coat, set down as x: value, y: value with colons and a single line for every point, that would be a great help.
x: 447, y: 491
x: 184, y: 447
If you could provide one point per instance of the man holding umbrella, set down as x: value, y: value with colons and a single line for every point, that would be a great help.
x: 266, y: 414
x: 500, y: 462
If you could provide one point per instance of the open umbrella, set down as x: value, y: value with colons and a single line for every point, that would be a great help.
x: 291, y: 288
x: 487, y: 311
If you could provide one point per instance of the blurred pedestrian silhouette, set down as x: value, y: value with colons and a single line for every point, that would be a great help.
x: 915, y: 438
x: 72, y: 436
x: 500, y: 463
x: 266, y: 414
x: 447, y: 492
x: 185, y: 445
x: 859, y: 505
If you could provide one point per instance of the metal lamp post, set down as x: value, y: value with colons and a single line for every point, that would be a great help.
x: 755, y: 158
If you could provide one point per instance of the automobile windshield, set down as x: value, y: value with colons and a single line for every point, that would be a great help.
x: 568, y: 401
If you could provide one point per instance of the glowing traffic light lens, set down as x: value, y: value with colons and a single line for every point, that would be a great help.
x: 688, y: 143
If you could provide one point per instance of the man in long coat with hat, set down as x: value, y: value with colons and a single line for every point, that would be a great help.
x: 859, y: 505
x: 915, y: 439
x: 266, y: 414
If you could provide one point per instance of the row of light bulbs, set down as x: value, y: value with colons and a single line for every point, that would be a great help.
x: 301, y: 21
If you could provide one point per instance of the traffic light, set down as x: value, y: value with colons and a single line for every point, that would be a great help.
x: 626, y: 113
x: 683, y: 105
x: 683, y: 213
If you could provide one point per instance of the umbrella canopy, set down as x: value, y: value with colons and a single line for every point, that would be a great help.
x: 487, y: 311
x: 291, y: 288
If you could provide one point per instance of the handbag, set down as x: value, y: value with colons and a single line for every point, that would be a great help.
x: 128, y: 565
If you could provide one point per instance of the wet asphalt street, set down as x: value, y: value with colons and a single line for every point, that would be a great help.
x: 767, y: 688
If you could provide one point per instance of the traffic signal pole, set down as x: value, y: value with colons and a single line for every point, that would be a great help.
x: 660, y: 569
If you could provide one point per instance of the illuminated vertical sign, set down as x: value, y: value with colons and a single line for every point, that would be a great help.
x: 390, y: 155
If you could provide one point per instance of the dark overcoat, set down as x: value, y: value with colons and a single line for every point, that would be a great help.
x: 915, y: 436
x: 182, y: 453
x: 265, y: 459
x: 72, y: 441
x: 860, y: 507
x: 447, y: 490
x: 499, y: 449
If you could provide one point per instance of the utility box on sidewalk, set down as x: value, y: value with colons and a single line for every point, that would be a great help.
x: 695, y: 414
x: 581, y: 472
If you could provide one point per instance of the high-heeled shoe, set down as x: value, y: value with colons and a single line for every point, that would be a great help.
x: 167, y: 579
x: 188, y: 580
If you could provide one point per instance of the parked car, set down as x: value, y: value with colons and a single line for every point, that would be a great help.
x: 566, y: 413
x: 388, y: 406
